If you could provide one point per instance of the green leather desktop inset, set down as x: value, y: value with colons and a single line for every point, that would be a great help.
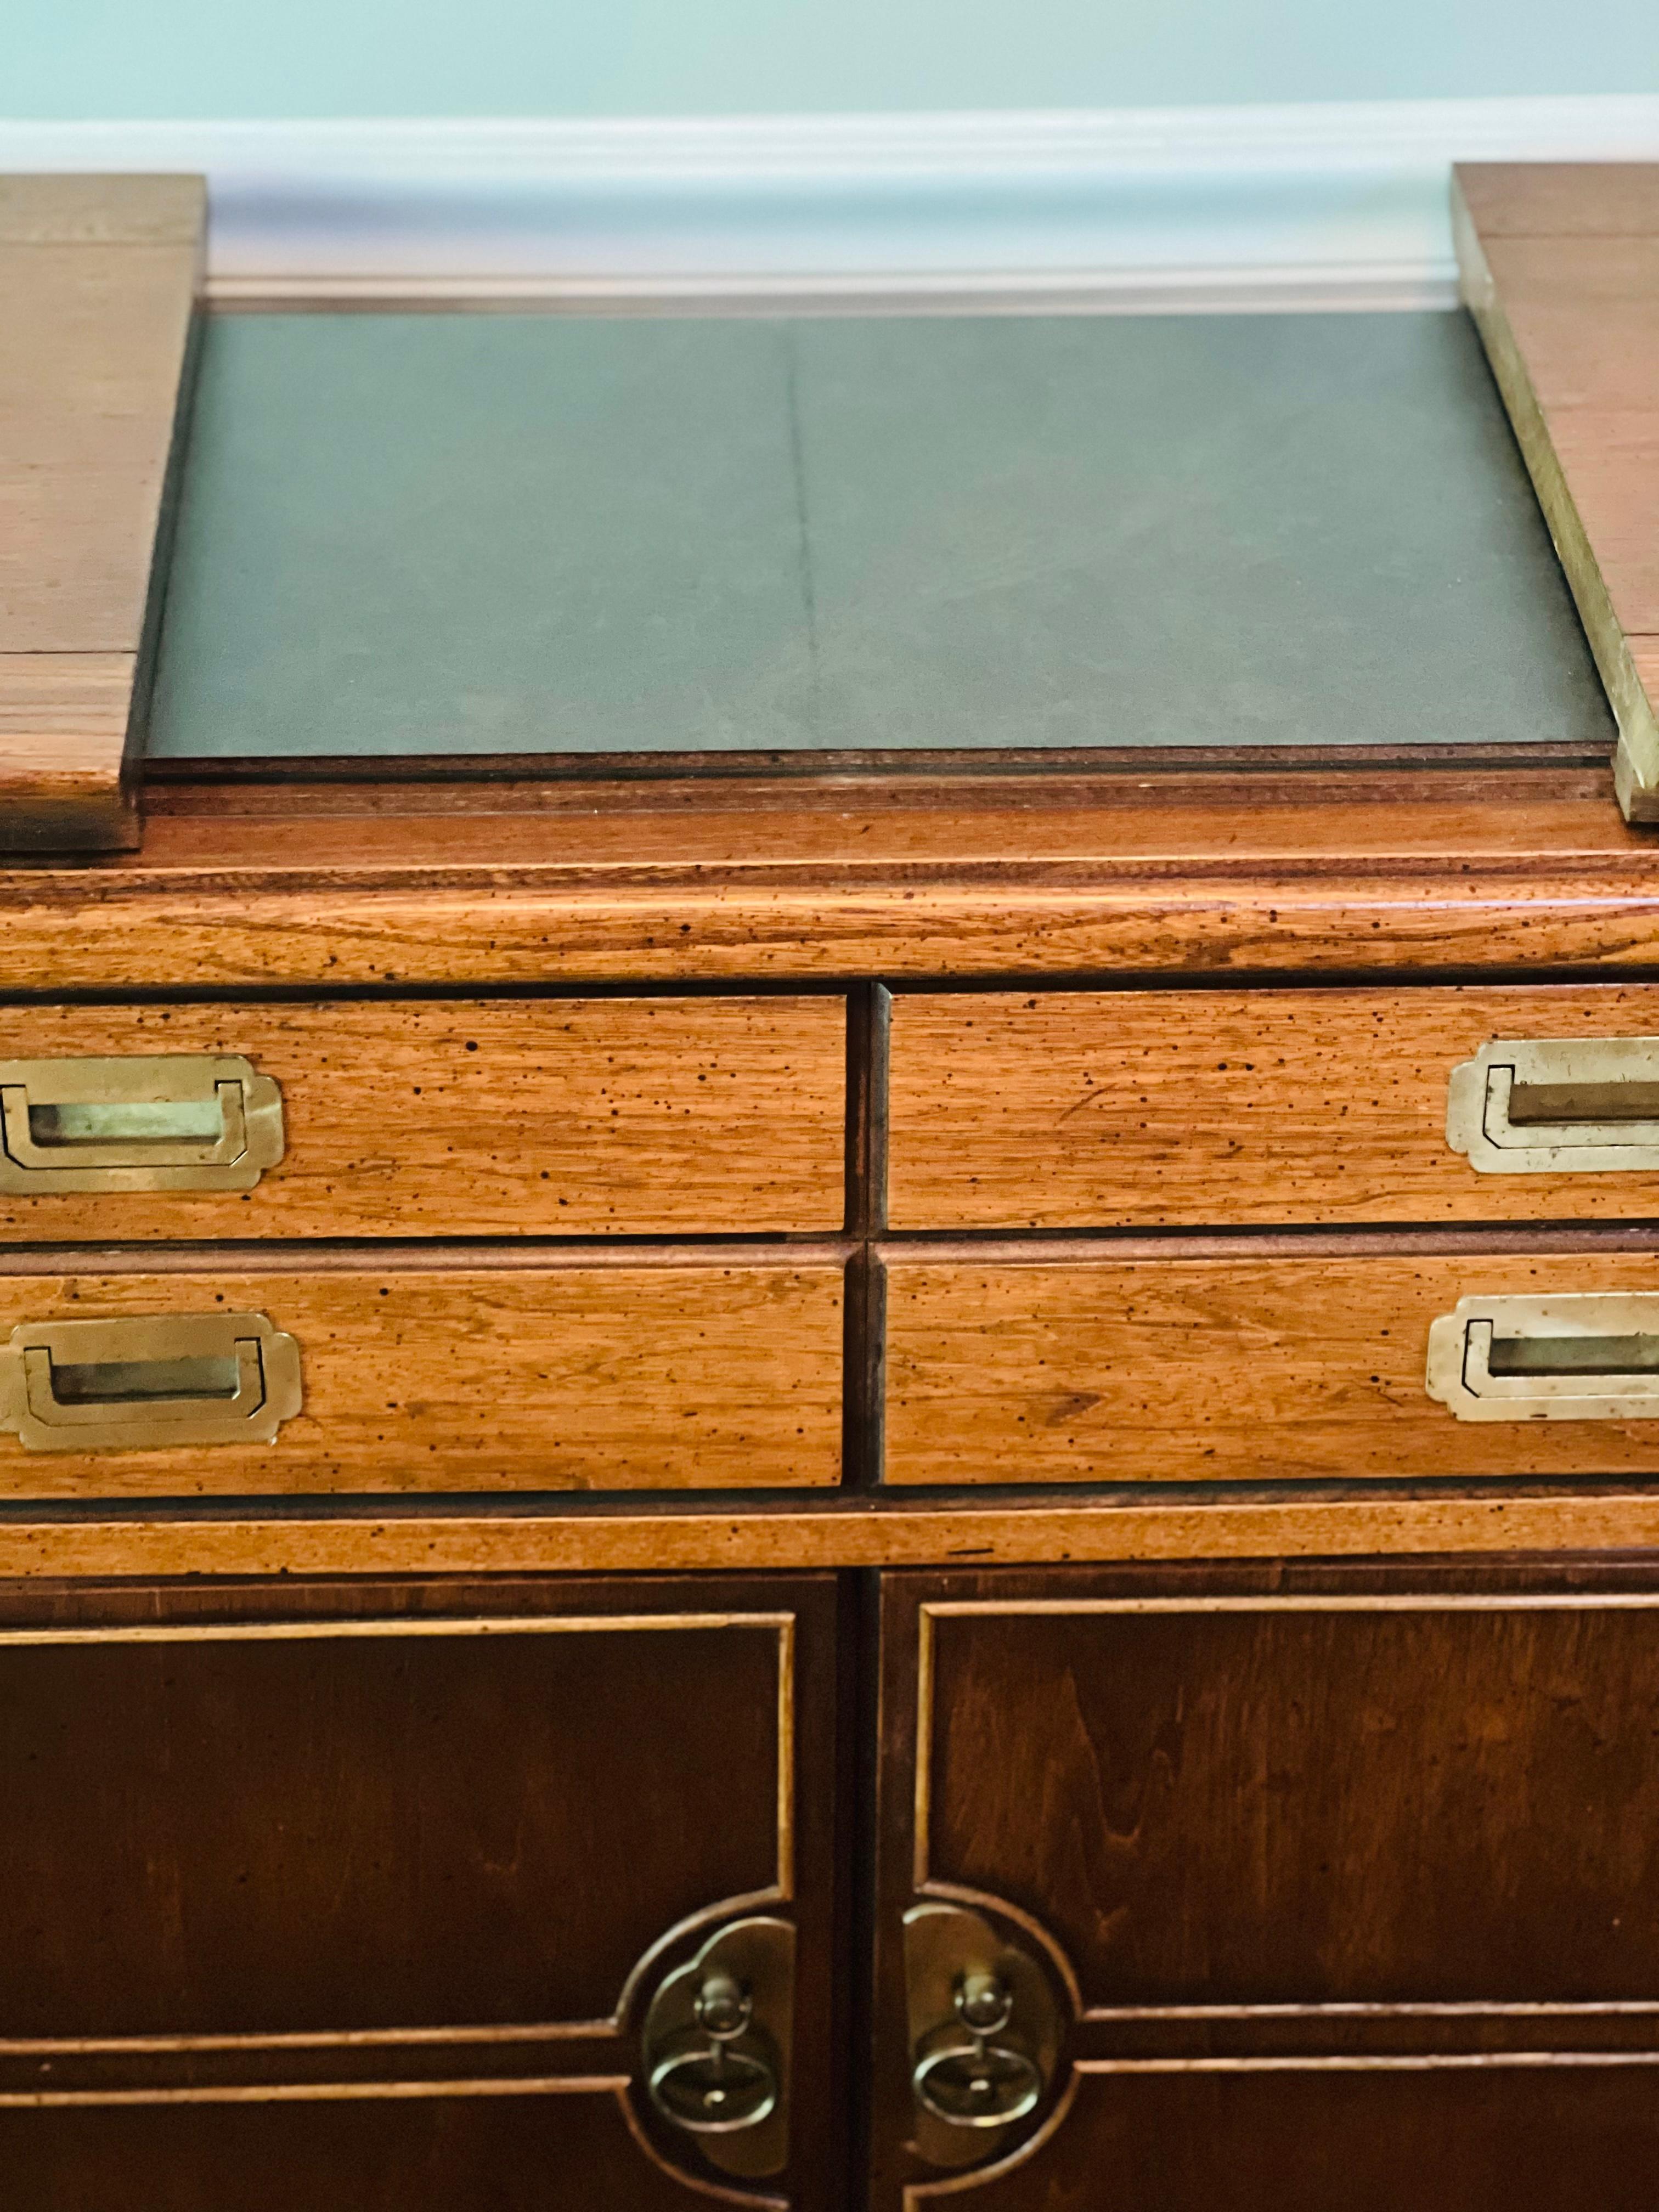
x: 521, y: 533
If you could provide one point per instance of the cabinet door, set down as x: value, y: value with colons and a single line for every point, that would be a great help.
x: 1269, y: 1889
x: 402, y: 1894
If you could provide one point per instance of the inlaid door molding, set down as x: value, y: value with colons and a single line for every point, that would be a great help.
x: 403, y: 1852
x: 1307, y: 1840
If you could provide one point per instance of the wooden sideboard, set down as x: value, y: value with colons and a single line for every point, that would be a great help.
x: 826, y: 1478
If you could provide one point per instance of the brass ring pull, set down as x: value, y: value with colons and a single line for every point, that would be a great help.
x: 717, y: 2043
x: 967, y: 2078
x: 718, y: 2076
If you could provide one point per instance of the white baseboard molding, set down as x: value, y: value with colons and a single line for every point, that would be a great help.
x: 1171, y: 209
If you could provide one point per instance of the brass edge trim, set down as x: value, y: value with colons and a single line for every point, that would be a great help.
x: 924, y: 1751
x: 1419, y: 2063
x: 1637, y: 757
x: 301, y: 1631
x: 347, y: 2038
x: 298, y: 2092
x: 1388, y: 1602
x: 1612, y: 2009
x: 785, y: 1882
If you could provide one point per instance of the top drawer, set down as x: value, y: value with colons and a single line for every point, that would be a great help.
x: 539, y: 1117
x: 1180, y: 1109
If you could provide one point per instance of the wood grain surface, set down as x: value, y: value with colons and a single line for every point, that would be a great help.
x: 1093, y: 1368
x: 628, y: 1372
x: 498, y: 1117
x: 1561, y: 2135
x: 397, y: 1863
x: 456, y: 884
x: 64, y: 718
x: 1156, y: 1778
x: 1559, y: 265
x: 100, y: 277
x: 901, y: 1529
x: 334, y: 1808
x: 1147, y: 1109
x: 1319, y: 1832
x: 400, y: 2151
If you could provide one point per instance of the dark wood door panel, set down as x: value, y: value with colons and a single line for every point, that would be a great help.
x: 1298, y: 1800
x: 358, y: 1830
x: 1559, y: 2136
x: 298, y: 1811
x: 362, y: 1891
x: 512, y: 2153
x: 1357, y: 1860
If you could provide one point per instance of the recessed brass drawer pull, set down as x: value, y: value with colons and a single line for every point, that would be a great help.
x: 148, y: 1382
x: 150, y: 1122
x: 1553, y: 1108
x: 1574, y: 1358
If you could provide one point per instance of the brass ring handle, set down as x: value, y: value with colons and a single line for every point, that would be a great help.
x: 719, y: 2076
x: 963, y: 2074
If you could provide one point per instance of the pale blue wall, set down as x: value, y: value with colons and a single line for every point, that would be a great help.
x: 122, y: 59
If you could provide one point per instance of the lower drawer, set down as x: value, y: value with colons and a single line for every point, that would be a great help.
x: 578, y: 1373
x: 1238, y: 1368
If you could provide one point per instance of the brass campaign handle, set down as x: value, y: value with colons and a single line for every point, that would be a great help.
x: 1557, y: 1106
x: 147, y: 1382
x: 1575, y: 1357
x: 147, y: 1121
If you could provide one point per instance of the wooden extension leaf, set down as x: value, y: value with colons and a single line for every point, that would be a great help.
x: 1560, y: 267
x: 98, y: 283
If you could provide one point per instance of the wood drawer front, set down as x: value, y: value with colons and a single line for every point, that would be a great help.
x: 560, y: 1117
x: 1494, y: 2135
x: 1165, y: 1109
x: 1236, y: 1368
x: 585, y: 1372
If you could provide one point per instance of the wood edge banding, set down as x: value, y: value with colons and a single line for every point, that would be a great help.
x: 107, y: 275
x: 1636, y: 764
x: 782, y: 1538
